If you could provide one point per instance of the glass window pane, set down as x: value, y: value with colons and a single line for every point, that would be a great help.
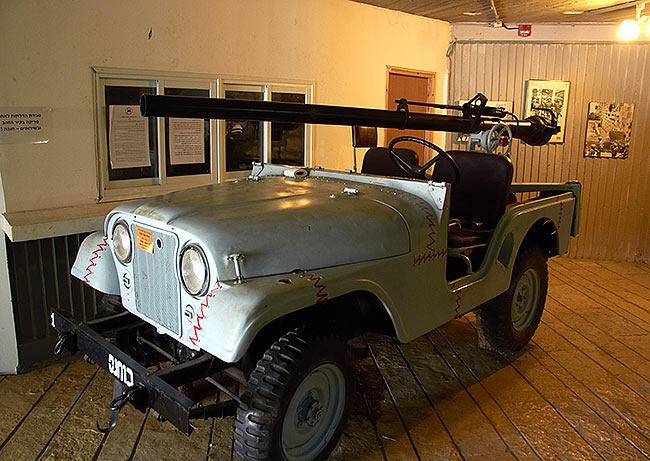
x: 123, y: 159
x: 243, y: 138
x: 288, y: 139
x: 187, y: 150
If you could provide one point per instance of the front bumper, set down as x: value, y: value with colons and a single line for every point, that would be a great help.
x: 158, y: 389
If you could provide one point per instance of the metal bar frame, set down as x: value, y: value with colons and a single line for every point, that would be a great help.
x: 159, y: 389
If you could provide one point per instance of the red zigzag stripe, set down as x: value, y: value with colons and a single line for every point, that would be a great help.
x: 201, y: 316
x: 100, y: 247
x: 425, y: 258
x: 458, y: 303
x: 433, y: 254
x: 320, y: 295
x: 432, y: 234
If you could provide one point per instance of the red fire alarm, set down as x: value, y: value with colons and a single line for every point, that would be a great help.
x: 524, y: 30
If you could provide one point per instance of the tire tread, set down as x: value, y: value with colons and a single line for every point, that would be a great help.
x: 258, y: 420
x: 494, y: 317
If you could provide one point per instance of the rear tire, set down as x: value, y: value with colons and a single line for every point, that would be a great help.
x: 298, y: 399
x: 508, y: 322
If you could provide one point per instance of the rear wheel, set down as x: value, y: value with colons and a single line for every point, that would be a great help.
x: 297, y: 400
x: 508, y: 322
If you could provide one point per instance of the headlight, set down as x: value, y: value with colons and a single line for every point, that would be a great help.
x: 122, y: 242
x: 194, y: 270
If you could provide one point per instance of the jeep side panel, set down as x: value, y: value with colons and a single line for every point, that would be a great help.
x: 493, y: 278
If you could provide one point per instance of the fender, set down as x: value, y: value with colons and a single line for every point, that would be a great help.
x: 226, y: 320
x: 95, y: 265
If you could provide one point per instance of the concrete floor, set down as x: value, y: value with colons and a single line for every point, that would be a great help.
x: 578, y: 391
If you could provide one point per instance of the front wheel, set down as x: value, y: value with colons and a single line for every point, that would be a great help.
x: 298, y: 399
x: 508, y: 322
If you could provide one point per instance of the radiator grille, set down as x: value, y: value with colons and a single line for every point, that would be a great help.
x: 155, y: 283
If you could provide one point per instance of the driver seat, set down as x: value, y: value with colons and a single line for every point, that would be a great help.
x: 377, y: 161
x: 479, y: 199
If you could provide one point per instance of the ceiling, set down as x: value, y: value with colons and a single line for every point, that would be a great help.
x: 513, y: 12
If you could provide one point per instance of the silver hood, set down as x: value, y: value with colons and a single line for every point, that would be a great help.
x: 281, y: 225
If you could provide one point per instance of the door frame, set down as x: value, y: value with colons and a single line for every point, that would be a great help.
x: 431, y: 87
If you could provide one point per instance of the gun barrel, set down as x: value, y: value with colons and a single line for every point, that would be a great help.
x: 533, y: 130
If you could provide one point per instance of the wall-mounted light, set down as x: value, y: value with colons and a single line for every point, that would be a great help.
x: 631, y: 28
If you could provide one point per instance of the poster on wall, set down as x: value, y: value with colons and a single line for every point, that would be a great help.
x: 24, y: 125
x: 543, y: 96
x: 609, y: 127
x: 186, y: 141
x: 128, y: 137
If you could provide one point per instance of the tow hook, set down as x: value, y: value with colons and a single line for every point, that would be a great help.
x: 121, y: 397
x: 65, y: 339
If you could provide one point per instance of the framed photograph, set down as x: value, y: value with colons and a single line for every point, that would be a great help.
x: 543, y: 96
x: 609, y: 129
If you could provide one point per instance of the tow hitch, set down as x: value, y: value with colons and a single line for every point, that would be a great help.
x: 121, y: 397
x: 134, y: 383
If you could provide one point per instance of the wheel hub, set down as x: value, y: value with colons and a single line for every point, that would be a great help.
x: 313, y: 413
x: 310, y: 411
x: 525, y: 300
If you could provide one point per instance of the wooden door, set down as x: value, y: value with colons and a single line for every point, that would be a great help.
x: 415, y: 86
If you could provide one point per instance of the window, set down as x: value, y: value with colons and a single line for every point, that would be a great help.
x: 187, y: 147
x: 244, y: 138
x: 121, y: 106
x: 288, y: 139
x: 245, y: 142
x: 139, y: 156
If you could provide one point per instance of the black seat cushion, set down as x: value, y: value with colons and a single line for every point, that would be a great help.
x: 483, y: 189
x: 377, y: 161
x: 460, y: 238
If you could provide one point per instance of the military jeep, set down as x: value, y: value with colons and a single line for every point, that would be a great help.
x: 267, y: 278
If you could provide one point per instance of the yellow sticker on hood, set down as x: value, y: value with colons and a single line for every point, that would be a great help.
x: 144, y: 239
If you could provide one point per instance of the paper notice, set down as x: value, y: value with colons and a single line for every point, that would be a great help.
x: 24, y: 125
x: 128, y: 137
x: 186, y: 141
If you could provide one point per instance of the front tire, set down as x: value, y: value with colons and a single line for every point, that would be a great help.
x: 508, y: 322
x: 298, y: 399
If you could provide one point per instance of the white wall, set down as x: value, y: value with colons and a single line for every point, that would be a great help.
x: 48, y: 48
x: 8, y: 347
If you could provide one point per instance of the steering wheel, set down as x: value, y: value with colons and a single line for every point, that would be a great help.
x: 494, y: 139
x: 416, y: 171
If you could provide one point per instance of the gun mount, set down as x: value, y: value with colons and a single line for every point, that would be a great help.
x: 476, y: 118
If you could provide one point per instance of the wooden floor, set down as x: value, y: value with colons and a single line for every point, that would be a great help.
x: 578, y: 391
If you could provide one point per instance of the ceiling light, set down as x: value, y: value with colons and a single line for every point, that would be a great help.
x: 629, y: 30
x: 572, y: 12
x: 472, y: 13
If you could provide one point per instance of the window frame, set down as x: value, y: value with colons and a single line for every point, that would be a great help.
x: 269, y: 86
x: 123, y: 189
x: 191, y: 179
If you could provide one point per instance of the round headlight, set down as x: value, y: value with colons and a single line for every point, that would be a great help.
x: 194, y: 270
x: 122, y: 242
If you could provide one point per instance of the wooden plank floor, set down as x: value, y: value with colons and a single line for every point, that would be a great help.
x: 579, y: 391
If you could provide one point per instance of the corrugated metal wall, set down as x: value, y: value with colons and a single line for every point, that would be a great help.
x: 39, y: 275
x: 615, y: 220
